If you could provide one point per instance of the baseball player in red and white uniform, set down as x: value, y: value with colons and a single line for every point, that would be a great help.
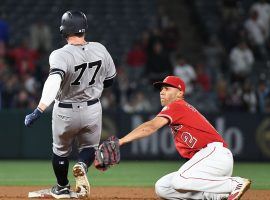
x: 208, y: 172
x: 79, y: 71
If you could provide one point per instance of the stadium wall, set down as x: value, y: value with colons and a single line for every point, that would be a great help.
x: 248, y: 136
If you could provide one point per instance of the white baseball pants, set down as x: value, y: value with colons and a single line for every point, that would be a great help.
x: 207, y: 175
x: 81, y: 123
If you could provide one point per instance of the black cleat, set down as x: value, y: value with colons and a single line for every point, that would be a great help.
x: 60, y: 192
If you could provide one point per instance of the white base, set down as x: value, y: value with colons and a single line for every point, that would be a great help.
x: 45, y: 193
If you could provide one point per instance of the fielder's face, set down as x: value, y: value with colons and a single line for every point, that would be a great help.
x: 169, y: 94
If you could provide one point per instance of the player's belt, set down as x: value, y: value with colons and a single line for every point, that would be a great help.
x: 69, y: 105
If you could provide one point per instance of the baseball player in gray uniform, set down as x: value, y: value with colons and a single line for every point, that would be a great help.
x: 78, y: 73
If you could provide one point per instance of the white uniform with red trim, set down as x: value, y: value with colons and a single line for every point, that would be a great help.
x: 209, y: 168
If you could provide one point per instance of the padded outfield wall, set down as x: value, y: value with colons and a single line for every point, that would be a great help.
x: 248, y: 136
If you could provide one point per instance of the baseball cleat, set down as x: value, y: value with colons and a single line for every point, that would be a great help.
x: 82, y: 185
x: 60, y: 192
x: 242, y: 186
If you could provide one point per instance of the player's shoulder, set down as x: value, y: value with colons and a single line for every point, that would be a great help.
x: 173, y: 106
x: 96, y: 45
x: 180, y: 105
x: 58, y: 53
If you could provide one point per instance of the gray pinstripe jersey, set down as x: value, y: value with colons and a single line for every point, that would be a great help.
x: 83, y: 69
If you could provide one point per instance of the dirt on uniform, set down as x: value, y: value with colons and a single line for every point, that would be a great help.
x: 119, y: 193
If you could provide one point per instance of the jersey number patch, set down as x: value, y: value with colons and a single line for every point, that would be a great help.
x: 83, y: 67
x: 188, y: 139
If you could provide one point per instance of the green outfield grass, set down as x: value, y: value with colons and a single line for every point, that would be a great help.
x: 139, y: 173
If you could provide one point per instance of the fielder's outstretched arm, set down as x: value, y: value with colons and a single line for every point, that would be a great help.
x: 144, y: 130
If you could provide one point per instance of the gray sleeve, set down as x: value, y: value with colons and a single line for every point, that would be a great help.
x: 110, y: 67
x: 58, y: 63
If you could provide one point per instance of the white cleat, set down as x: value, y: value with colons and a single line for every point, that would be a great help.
x: 82, y: 184
x: 242, y: 186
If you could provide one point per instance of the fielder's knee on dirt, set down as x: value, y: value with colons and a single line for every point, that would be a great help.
x: 161, y: 190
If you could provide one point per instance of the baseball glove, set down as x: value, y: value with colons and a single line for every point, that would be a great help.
x: 107, y: 154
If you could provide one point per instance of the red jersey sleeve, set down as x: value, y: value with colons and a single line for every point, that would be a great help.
x: 173, y: 112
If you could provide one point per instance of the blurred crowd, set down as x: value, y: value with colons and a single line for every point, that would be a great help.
x: 221, y: 79
x: 23, y: 67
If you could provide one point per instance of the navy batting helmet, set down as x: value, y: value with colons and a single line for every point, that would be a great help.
x: 73, y: 22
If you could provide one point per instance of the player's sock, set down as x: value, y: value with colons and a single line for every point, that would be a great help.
x: 87, y: 156
x: 60, y: 167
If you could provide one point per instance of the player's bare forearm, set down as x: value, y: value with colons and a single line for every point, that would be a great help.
x: 141, y: 131
x: 144, y: 130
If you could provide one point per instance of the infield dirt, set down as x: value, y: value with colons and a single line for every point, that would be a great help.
x: 107, y: 193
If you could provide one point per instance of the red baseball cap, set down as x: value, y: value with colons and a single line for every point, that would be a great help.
x: 172, y: 81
